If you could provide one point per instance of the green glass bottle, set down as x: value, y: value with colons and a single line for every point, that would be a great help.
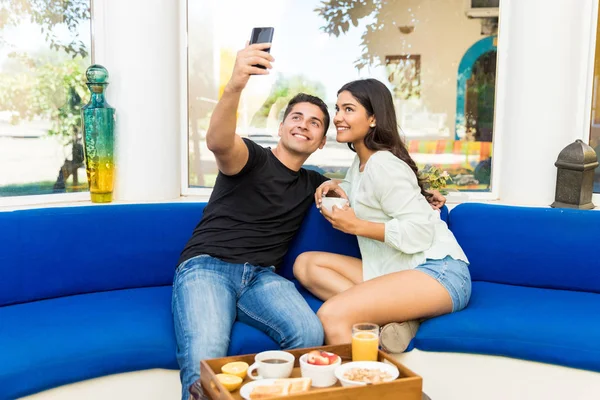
x: 98, y: 135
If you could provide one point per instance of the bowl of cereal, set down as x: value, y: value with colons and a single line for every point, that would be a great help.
x: 360, y: 373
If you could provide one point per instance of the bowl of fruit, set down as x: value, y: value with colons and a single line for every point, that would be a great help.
x: 320, y: 367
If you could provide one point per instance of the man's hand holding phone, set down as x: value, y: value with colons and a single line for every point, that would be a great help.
x: 247, y: 58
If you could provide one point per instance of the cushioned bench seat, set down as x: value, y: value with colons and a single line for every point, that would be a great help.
x: 551, y: 326
x: 86, y: 291
x: 69, y: 339
x: 536, y: 286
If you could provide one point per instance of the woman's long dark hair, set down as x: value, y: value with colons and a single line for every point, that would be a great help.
x: 376, y: 98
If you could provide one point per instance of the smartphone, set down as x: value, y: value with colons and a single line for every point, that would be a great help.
x: 262, y: 35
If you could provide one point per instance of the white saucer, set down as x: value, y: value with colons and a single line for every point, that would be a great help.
x: 248, y: 387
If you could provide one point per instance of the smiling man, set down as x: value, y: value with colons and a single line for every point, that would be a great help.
x: 227, y: 269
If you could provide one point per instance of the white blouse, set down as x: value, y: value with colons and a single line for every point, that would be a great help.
x: 387, y: 192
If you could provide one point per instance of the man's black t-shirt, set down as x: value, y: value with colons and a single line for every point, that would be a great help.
x: 252, y: 216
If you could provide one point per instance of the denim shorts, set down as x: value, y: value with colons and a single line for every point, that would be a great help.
x: 453, y: 275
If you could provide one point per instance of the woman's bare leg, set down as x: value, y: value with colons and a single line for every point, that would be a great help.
x: 400, y: 296
x: 326, y: 274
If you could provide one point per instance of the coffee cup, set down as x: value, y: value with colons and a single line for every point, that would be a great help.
x: 274, y: 364
x: 328, y: 202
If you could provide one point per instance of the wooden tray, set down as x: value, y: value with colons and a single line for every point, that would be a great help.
x: 408, y: 386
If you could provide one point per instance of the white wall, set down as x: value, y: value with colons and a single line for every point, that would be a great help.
x: 543, y: 92
x: 138, y: 42
x: 442, y: 35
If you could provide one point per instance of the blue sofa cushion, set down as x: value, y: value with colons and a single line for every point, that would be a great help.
x: 54, y: 342
x: 529, y: 246
x: 316, y: 234
x: 312, y: 301
x: 546, y: 325
x: 53, y: 252
x: 50, y: 343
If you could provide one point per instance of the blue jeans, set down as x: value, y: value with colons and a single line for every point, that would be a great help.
x: 209, y: 295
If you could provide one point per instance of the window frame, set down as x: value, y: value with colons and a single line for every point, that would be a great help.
x: 202, y: 194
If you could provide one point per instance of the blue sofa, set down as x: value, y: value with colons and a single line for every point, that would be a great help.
x: 86, y: 291
x: 536, y: 286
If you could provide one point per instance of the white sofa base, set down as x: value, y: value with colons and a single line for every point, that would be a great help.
x: 153, y: 384
x: 458, y: 376
x: 446, y: 376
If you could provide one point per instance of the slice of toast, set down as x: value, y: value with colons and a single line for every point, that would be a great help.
x: 297, y: 385
x: 268, y: 391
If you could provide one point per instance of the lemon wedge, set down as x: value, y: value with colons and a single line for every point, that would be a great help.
x: 231, y: 382
x: 237, y: 368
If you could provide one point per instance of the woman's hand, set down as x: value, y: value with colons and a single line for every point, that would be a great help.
x: 326, y: 187
x: 343, y: 219
x: 437, y: 200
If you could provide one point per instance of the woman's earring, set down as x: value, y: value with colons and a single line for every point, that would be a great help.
x: 372, y: 125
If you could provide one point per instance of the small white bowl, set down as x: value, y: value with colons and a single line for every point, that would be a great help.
x: 328, y: 202
x: 320, y: 375
x: 385, y: 367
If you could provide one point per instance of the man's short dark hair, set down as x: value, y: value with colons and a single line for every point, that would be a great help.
x: 307, y: 98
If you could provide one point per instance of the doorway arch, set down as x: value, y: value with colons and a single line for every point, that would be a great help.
x: 481, y: 59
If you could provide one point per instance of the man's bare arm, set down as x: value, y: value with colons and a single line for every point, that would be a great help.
x: 229, y: 149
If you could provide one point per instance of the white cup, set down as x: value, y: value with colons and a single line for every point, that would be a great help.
x: 328, y: 202
x: 273, y: 364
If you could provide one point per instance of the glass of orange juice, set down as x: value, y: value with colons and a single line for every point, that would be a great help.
x: 365, y: 342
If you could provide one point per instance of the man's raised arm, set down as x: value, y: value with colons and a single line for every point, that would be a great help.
x: 229, y: 149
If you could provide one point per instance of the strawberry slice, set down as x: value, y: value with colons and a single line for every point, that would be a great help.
x: 331, y: 356
x: 316, y: 358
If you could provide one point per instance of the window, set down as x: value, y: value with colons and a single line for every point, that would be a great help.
x: 44, y: 52
x: 437, y: 58
x: 404, y: 74
x: 595, y: 115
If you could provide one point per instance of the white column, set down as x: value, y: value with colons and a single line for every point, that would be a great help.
x: 138, y: 42
x: 545, y: 67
